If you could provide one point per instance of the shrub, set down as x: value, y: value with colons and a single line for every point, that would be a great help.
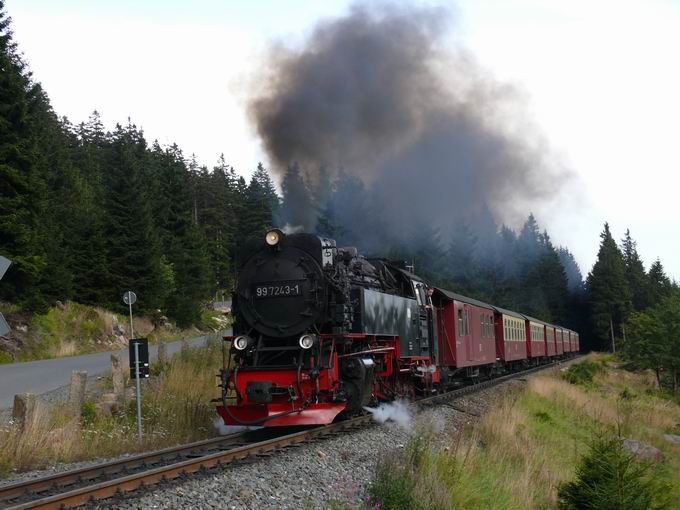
x: 583, y: 373
x: 609, y: 478
x: 89, y: 413
x: 543, y: 416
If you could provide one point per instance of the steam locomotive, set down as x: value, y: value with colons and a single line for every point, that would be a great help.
x: 321, y: 332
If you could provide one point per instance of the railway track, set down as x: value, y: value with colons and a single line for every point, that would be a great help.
x: 77, y: 487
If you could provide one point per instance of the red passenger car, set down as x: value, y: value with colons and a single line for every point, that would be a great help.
x: 511, y: 341
x: 550, y: 342
x: 558, y: 341
x: 535, y: 333
x: 570, y: 335
x: 465, y: 331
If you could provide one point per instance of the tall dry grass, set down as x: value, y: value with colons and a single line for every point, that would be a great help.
x: 176, y: 409
x: 517, y: 454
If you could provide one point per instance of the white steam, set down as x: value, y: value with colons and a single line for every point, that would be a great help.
x: 225, y: 430
x: 397, y: 411
x: 292, y: 229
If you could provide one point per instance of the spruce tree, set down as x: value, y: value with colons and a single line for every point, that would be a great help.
x: 297, y: 209
x: 572, y: 269
x: 22, y: 197
x: 638, y: 283
x: 660, y: 285
x: 609, y: 478
x: 607, y: 289
x: 261, y: 202
x: 183, y: 243
x: 133, y: 247
x: 461, y: 267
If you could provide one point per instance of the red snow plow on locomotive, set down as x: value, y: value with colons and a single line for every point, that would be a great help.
x: 321, y: 332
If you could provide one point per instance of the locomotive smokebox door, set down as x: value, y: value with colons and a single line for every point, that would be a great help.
x: 281, y: 290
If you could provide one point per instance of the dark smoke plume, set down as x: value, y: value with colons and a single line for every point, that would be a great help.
x: 376, y: 95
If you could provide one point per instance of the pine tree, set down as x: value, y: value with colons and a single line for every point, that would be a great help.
x: 22, y: 198
x: 58, y: 220
x: 297, y: 209
x: 609, y: 478
x: 87, y: 240
x: 183, y: 244
x: 218, y: 221
x: 461, y: 267
x: 607, y: 289
x: 262, y: 202
x: 638, y: 283
x: 529, y: 246
x: 660, y: 285
x: 133, y: 248
x: 553, y: 283
x: 572, y: 269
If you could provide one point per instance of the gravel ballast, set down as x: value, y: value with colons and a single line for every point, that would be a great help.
x: 311, y: 475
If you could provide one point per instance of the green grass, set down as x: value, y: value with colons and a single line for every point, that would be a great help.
x: 81, y: 326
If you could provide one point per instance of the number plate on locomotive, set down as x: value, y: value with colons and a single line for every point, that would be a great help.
x: 278, y: 289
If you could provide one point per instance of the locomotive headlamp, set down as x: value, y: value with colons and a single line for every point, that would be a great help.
x: 241, y: 342
x: 273, y: 237
x: 307, y: 341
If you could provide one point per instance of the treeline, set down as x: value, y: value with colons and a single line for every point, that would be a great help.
x: 86, y: 214
x: 634, y: 311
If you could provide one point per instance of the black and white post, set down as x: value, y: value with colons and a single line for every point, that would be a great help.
x: 129, y: 299
x: 4, y: 265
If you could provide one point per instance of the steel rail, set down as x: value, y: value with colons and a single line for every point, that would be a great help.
x: 66, y: 478
x: 131, y: 482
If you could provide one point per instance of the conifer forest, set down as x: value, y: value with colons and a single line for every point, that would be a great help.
x: 87, y: 213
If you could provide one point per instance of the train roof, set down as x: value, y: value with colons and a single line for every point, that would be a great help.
x: 533, y: 319
x: 508, y: 312
x: 464, y: 299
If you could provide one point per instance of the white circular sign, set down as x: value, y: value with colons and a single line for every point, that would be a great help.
x: 129, y: 298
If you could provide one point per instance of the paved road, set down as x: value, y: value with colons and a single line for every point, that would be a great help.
x: 49, y: 374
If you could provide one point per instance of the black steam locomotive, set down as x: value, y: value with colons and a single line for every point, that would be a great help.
x: 320, y: 330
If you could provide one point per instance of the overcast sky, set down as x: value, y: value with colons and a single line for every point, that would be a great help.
x: 601, y: 78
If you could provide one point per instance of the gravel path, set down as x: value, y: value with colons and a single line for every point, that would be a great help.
x: 311, y: 475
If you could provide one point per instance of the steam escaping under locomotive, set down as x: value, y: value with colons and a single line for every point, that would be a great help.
x: 321, y: 332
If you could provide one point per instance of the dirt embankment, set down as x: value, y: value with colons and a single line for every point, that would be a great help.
x: 71, y: 329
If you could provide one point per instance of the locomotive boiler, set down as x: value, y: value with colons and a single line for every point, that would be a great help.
x: 321, y: 331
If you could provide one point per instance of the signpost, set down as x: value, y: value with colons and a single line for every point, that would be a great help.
x: 130, y: 298
x: 138, y: 349
x: 4, y: 264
